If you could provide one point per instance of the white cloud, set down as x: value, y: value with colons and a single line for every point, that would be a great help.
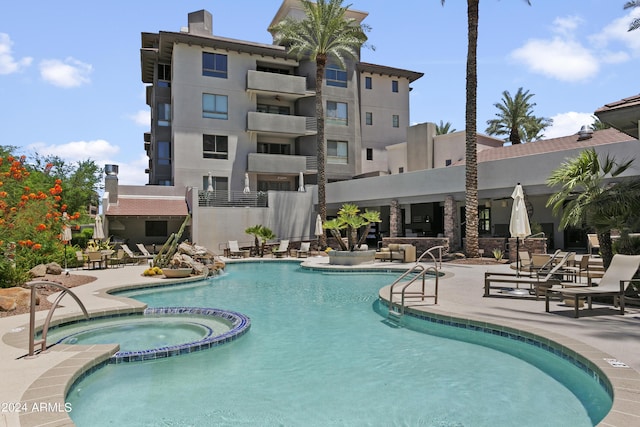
x: 565, y: 60
x: 78, y: 150
x: 141, y: 118
x: 8, y: 64
x: 67, y: 73
x: 617, y: 32
x: 132, y: 173
x: 565, y: 124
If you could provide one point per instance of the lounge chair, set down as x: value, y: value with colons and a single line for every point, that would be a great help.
x: 539, y: 282
x: 282, y: 250
x: 612, y: 283
x: 130, y: 256
x: 143, y: 250
x: 303, y: 252
x: 234, y: 250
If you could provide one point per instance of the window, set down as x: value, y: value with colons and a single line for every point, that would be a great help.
x: 337, y: 152
x: 484, y: 220
x: 335, y: 76
x: 164, y: 153
x: 273, y: 109
x: 164, y: 75
x: 155, y: 228
x: 394, y: 85
x: 447, y: 162
x: 369, y: 153
x: 214, y: 106
x: 215, y: 147
x: 218, y: 183
x: 164, y: 114
x: 401, y: 169
x: 396, y: 120
x: 367, y: 83
x: 270, y: 148
x: 214, y: 65
x: 368, y: 118
x: 337, y: 113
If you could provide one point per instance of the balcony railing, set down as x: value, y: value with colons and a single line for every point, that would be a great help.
x: 227, y: 199
x: 281, y: 124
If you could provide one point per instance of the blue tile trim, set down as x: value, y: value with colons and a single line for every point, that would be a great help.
x: 514, y: 334
x: 240, y: 324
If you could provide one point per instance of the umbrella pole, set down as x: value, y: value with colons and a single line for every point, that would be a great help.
x: 517, y: 256
x: 66, y: 270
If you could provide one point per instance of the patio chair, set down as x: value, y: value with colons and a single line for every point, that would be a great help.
x: 538, y: 283
x: 117, y: 258
x: 613, y: 283
x: 130, y: 256
x: 96, y: 260
x: 303, y: 252
x: 282, y: 250
x: 592, y: 243
x: 234, y: 250
x: 143, y: 250
x: 81, y: 260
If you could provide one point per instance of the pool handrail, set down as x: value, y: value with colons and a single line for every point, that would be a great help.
x: 436, y: 260
x: 32, y: 313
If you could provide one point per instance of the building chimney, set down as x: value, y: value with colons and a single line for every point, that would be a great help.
x: 585, y: 133
x: 201, y: 23
x: 111, y: 182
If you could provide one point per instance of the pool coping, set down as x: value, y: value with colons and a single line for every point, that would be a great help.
x: 52, y: 386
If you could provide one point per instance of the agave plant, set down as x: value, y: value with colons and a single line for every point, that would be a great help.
x: 356, y: 225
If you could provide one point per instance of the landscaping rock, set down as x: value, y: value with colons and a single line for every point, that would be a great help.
x: 54, y: 268
x: 14, y: 298
x: 39, y: 270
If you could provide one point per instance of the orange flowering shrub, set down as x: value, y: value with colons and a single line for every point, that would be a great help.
x: 30, y: 215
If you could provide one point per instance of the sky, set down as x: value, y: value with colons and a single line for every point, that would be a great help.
x: 70, y: 79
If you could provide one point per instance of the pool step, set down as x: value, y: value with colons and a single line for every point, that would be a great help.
x: 394, y: 318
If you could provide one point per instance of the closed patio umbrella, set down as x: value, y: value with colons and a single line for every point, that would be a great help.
x: 246, y: 184
x: 301, y: 183
x: 66, y: 237
x: 98, y: 230
x: 319, y: 231
x: 209, y: 183
x: 519, y: 224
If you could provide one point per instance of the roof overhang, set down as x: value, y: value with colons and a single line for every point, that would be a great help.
x: 623, y: 115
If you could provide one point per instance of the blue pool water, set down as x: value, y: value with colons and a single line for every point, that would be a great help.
x: 319, y: 354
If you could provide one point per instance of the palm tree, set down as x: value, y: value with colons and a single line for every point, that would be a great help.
x: 444, y: 128
x: 585, y: 198
x: 635, y: 24
x: 515, y: 118
x: 598, y: 124
x: 471, y: 137
x: 324, y: 35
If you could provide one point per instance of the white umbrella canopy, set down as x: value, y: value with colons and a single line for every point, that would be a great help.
x: 209, y: 183
x: 66, y: 234
x: 519, y: 224
x: 318, y: 231
x: 98, y: 230
x: 246, y: 184
x: 301, y: 183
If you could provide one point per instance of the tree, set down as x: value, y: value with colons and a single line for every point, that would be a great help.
x: 598, y: 124
x: 471, y: 137
x: 515, y: 118
x: 325, y: 35
x: 350, y: 219
x: 635, y: 24
x: 444, y: 128
x: 585, y: 198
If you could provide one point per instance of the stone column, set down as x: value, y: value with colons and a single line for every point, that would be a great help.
x: 394, y: 218
x: 451, y: 223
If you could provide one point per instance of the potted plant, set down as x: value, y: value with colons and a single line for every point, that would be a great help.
x: 356, y: 225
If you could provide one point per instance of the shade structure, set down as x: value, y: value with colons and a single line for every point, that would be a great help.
x: 519, y: 226
x: 209, y: 183
x: 301, y: 183
x: 98, y: 230
x: 246, y: 189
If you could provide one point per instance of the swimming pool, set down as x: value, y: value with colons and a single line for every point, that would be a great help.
x: 318, y: 353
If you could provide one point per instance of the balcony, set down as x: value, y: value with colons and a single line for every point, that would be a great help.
x: 280, y: 125
x: 280, y: 164
x: 286, y: 86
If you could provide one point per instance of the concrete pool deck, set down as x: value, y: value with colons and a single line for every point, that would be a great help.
x: 38, y: 384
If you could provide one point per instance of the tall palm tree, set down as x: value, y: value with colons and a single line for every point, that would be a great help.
x: 515, y: 118
x: 471, y: 137
x: 635, y: 24
x: 444, y: 128
x: 325, y: 34
x: 585, y: 198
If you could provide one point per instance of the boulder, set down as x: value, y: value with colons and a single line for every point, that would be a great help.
x: 39, y: 270
x: 54, y: 268
x: 16, y: 297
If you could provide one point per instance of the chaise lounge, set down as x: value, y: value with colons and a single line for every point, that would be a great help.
x: 613, y: 283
